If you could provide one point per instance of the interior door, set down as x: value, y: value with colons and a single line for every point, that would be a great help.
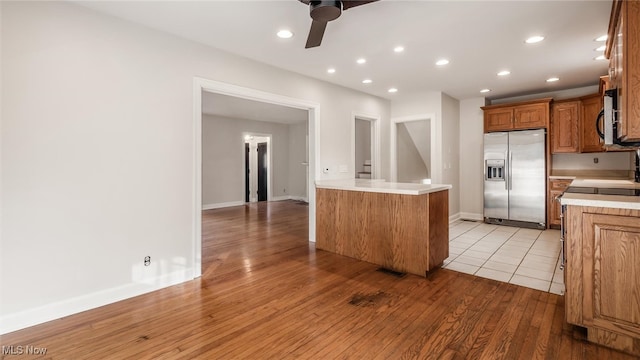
x: 262, y: 171
x: 247, y: 170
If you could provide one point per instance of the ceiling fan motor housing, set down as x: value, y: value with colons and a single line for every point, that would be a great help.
x: 325, y: 10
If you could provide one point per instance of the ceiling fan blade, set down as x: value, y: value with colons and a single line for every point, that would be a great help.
x: 315, y: 34
x: 347, y: 4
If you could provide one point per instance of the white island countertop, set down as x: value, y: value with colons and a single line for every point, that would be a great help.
x: 599, y: 200
x: 381, y: 186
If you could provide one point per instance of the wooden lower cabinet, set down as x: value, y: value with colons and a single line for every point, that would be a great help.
x: 556, y: 188
x: 405, y: 233
x: 602, y: 275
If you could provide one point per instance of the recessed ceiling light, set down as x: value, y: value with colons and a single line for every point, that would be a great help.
x: 367, y: 81
x: 285, y: 34
x: 361, y: 61
x: 398, y: 49
x: 553, y: 79
x: 601, y: 48
x: 392, y: 90
x: 485, y: 90
x: 504, y: 73
x: 331, y: 70
x: 602, y: 38
x: 442, y: 62
x: 599, y: 57
x: 534, y: 39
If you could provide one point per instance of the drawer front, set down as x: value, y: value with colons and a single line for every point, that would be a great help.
x: 559, y: 184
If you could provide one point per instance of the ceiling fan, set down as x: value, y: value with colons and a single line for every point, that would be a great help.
x: 324, y: 11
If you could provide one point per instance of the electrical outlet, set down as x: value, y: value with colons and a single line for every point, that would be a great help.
x: 147, y: 260
x: 595, y: 160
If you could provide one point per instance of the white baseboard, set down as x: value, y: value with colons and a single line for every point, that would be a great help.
x: 57, y: 310
x: 240, y: 203
x: 454, y: 217
x: 222, y: 205
x: 471, y: 216
x: 290, y: 197
x: 280, y: 198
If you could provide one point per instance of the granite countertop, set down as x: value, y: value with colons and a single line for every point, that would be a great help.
x: 381, y: 186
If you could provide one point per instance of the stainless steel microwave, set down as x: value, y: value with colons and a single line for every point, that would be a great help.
x: 609, y: 114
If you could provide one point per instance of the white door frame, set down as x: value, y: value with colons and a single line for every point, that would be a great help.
x: 200, y: 85
x: 436, y: 156
x: 375, y: 142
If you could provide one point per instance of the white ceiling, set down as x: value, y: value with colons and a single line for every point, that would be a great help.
x: 479, y: 38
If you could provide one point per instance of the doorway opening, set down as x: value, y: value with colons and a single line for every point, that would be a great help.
x: 257, y: 164
x: 307, y: 164
x: 413, y: 148
x: 365, y: 152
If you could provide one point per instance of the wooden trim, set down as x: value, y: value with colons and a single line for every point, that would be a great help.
x: 528, y: 102
x: 614, y: 17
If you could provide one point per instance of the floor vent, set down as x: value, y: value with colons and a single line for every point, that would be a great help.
x: 392, y: 272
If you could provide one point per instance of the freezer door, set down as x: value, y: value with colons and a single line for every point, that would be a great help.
x: 526, y: 176
x: 496, y: 196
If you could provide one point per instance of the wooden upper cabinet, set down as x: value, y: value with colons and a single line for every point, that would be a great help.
x: 500, y: 119
x: 623, y: 50
x: 517, y: 116
x: 589, y: 139
x: 533, y: 116
x: 565, y: 135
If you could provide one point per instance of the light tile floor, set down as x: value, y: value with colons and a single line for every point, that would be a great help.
x: 525, y: 257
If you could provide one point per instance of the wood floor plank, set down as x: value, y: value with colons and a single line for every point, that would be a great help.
x: 266, y: 293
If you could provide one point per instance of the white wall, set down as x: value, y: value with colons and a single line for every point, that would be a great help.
x: 606, y: 161
x: 97, y: 153
x: 451, y: 150
x: 471, y: 158
x: 223, y: 159
x: 297, y: 188
x: 555, y: 94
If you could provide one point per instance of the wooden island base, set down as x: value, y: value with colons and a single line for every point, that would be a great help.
x: 404, y: 233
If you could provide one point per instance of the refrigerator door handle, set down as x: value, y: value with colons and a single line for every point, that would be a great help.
x: 507, y: 170
x: 510, y: 172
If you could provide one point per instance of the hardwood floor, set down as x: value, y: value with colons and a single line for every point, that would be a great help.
x: 266, y: 293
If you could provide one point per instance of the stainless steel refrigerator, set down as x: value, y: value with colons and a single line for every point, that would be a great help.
x: 515, y: 178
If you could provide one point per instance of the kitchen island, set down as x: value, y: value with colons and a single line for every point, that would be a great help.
x: 602, y: 252
x: 403, y: 227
